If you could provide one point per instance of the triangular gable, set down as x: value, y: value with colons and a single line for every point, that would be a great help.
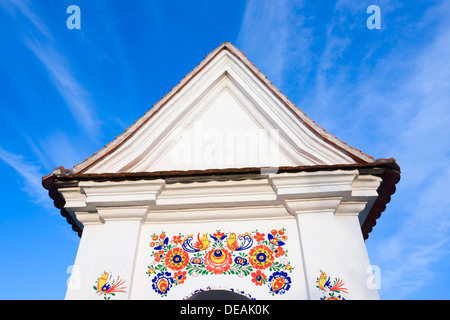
x: 223, y: 114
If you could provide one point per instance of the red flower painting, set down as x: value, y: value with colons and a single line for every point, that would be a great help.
x: 261, y: 257
x: 218, y: 261
x: 176, y: 259
x: 258, y: 278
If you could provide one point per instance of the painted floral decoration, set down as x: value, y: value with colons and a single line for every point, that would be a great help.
x: 176, y: 259
x: 256, y: 255
x: 330, y: 290
x: 261, y: 257
x: 218, y: 261
x: 280, y: 282
x: 258, y: 278
x: 162, y: 283
x: 106, y: 286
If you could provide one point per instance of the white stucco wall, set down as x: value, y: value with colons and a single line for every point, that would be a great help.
x: 323, y: 254
x: 124, y: 249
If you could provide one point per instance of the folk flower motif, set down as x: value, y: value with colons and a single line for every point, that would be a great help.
x: 162, y: 283
x: 279, y: 252
x: 177, y: 239
x: 279, y: 282
x: 275, y: 240
x: 176, y: 259
x: 258, y: 277
x: 241, y: 261
x: 197, y: 260
x: 261, y: 257
x: 179, y: 277
x: 161, y: 244
x: 275, y: 237
x: 218, y: 236
x: 259, y: 237
x: 159, y: 255
x: 333, y: 297
x: 218, y: 261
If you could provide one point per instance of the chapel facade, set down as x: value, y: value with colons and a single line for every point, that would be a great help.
x: 224, y: 185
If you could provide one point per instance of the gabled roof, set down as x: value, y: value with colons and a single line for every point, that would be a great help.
x: 225, y: 91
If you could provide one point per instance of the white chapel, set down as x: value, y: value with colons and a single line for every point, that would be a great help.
x: 224, y: 188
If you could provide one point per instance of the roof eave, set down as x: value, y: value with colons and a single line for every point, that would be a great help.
x: 387, y: 169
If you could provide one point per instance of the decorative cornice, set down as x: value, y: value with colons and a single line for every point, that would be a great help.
x: 362, y: 179
x: 87, y: 218
x: 351, y: 208
x: 122, y: 213
x: 313, y: 184
x: 315, y: 205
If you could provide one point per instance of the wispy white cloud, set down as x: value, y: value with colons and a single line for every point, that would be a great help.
x: 42, y: 44
x: 76, y: 97
x: 30, y: 174
x: 57, y: 149
x: 24, y: 7
x: 273, y: 36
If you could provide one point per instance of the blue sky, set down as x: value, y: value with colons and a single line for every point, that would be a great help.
x: 64, y: 94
